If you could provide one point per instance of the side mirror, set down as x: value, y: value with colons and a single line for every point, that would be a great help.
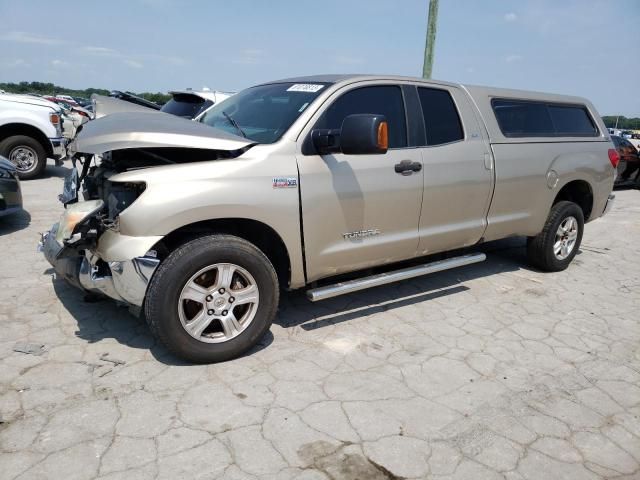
x: 361, y: 134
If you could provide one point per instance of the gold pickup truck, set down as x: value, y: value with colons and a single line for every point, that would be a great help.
x: 307, y: 183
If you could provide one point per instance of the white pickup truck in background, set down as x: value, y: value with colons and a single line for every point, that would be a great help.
x: 30, y: 132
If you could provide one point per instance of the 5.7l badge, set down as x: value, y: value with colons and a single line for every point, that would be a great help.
x: 285, y: 182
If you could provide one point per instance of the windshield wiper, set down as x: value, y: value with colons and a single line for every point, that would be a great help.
x: 234, y: 123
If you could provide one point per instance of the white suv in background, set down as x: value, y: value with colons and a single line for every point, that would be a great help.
x: 193, y: 103
x: 30, y: 132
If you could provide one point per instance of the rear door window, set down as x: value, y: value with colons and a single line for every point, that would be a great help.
x: 521, y: 118
x: 382, y: 100
x: 441, y: 118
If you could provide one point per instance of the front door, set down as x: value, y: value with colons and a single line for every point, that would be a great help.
x: 357, y: 210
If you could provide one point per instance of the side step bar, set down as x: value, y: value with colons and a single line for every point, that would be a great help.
x: 329, y: 291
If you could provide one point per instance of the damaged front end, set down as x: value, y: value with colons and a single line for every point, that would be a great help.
x: 71, y: 247
x: 87, y: 247
x: 124, y: 281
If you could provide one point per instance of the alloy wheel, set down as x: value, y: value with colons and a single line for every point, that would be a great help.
x: 566, y: 237
x: 218, y: 303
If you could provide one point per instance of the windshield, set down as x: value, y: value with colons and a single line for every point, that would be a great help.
x: 263, y: 113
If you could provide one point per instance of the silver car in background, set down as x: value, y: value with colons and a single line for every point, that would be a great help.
x: 193, y: 103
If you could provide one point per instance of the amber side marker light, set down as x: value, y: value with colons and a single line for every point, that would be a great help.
x: 383, y: 136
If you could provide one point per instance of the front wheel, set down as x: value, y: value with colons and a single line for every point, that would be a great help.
x: 553, y: 249
x: 212, y: 299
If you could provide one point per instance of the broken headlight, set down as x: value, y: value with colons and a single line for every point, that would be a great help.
x: 74, y: 215
x: 119, y: 197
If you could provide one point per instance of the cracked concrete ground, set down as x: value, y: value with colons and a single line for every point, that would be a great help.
x: 487, y: 372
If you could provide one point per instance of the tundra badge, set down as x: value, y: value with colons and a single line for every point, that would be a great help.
x: 361, y: 234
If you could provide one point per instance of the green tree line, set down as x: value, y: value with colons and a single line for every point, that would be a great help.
x: 42, y: 88
x: 624, y: 123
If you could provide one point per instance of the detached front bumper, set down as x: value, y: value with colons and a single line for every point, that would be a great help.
x: 123, y: 281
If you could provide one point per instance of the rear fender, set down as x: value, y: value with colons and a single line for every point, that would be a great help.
x: 592, y: 167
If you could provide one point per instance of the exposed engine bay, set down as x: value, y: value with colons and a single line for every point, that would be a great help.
x: 123, y: 142
x: 91, y: 177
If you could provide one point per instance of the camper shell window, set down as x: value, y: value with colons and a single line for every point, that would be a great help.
x: 525, y: 118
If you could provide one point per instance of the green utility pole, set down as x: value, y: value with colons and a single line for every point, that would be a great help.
x: 430, y: 43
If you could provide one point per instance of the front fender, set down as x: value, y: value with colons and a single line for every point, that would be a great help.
x: 180, y: 195
x: 115, y: 247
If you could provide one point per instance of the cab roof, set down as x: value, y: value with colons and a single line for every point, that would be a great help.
x: 481, y: 97
x: 474, y: 90
x: 349, y: 78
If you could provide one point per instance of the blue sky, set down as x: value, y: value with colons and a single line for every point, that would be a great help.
x: 573, y: 46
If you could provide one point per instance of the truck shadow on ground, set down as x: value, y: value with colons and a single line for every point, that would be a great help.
x: 296, y: 310
x: 99, y: 319
x: 15, y: 222
x: 55, y: 171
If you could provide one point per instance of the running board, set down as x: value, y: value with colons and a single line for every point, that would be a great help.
x: 330, y: 291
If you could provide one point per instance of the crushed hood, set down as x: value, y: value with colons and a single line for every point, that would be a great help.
x: 104, y: 106
x: 152, y: 129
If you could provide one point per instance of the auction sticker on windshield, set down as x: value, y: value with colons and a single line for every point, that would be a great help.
x: 305, y: 87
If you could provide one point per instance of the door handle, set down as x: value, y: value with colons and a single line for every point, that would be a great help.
x: 487, y: 161
x: 407, y: 167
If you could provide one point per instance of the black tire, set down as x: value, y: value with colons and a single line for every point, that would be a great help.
x: 163, y: 294
x: 9, y: 144
x: 540, y: 248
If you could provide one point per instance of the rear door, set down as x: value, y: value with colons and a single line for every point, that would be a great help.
x: 357, y: 211
x: 458, y: 171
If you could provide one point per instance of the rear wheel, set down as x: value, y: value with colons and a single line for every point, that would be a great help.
x: 26, y: 153
x: 553, y: 249
x: 212, y: 299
